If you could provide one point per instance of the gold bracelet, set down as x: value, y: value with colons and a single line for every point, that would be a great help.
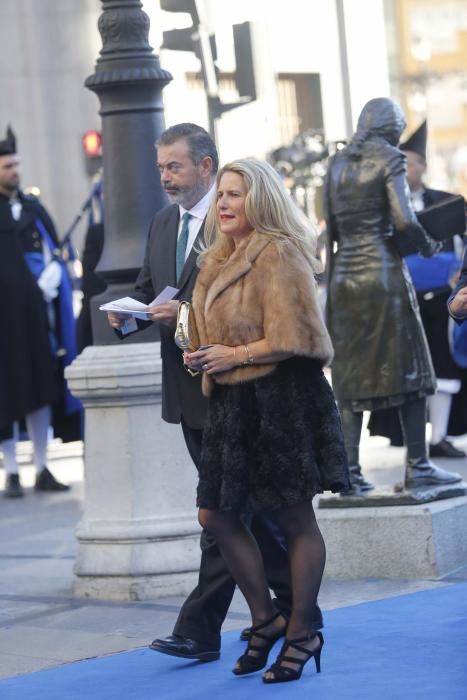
x: 249, y: 359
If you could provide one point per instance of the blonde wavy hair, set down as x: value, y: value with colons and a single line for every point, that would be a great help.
x: 269, y: 209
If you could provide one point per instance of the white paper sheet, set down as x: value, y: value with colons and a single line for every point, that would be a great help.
x: 136, y: 309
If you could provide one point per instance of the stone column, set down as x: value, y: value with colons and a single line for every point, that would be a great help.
x: 139, y: 536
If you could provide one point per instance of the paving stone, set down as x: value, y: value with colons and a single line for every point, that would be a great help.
x: 16, y: 664
x: 63, y: 645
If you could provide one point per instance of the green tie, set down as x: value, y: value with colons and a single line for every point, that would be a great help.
x: 181, y: 245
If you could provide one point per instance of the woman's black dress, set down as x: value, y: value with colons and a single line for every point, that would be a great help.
x: 272, y: 442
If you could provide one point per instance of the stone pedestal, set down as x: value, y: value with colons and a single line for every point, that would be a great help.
x: 414, y: 541
x: 139, y: 536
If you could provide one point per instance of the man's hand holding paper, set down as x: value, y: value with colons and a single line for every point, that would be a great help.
x: 122, y: 313
x: 164, y: 313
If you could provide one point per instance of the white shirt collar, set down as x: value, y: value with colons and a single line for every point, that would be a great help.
x: 16, y: 208
x: 417, y: 200
x: 200, y: 209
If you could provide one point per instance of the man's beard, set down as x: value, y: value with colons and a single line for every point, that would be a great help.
x: 185, y: 197
x: 10, y: 187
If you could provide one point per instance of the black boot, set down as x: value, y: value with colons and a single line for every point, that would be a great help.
x: 13, y: 488
x: 45, y: 481
x: 422, y: 472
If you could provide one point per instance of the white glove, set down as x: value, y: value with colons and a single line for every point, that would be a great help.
x: 49, y: 280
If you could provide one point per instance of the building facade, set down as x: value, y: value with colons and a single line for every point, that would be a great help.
x: 311, y: 69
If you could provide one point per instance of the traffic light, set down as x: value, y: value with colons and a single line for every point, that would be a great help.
x: 244, y: 73
x: 92, y: 149
x: 198, y: 40
x: 188, y: 6
x: 182, y: 39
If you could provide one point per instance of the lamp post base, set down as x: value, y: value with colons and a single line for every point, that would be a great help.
x: 139, y: 534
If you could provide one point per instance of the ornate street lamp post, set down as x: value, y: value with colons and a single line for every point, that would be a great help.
x: 128, y: 81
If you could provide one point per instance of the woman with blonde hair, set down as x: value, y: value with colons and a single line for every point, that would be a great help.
x: 272, y: 438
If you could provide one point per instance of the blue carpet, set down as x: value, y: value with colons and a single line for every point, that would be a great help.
x: 404, y: 648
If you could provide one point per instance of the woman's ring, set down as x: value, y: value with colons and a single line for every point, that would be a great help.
x: 204, y: 367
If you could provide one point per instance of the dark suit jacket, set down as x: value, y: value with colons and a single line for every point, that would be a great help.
x: 181, y: 393
x: 91, y: 282
x: 431, y: 197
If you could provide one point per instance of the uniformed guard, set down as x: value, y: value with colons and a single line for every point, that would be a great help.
x: 433, y: 281
x: 38, y: 328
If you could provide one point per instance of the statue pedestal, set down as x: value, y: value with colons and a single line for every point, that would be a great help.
x: 139, y: 536
x: 405, y: 541
x: 398, y: 497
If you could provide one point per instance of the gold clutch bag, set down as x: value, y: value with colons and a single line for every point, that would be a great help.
x: 183, y: 332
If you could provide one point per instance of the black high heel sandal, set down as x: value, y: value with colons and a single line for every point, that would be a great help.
x: 283, y: 674
x: 249, y: 663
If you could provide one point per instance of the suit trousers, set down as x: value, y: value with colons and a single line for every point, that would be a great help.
x: 205, y: 609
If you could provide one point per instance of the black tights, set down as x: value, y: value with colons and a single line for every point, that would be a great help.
x: 307, y: 555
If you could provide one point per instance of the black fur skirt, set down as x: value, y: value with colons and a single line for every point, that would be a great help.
x: 272, y: 442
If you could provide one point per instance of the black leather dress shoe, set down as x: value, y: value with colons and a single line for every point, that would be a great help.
x: 174, y: 645
x: 45, y: 481
x: 444, y: 448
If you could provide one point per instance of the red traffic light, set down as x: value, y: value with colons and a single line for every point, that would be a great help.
x: 92, y: 143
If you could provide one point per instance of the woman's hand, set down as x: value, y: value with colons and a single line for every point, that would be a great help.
x: 458, y: 305
x: 212, y: 359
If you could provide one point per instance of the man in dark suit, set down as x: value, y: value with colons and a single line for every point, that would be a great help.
x: 188, y: 161
x: 432, y: 281
x: 91, y: 282
x: 457, y: 308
